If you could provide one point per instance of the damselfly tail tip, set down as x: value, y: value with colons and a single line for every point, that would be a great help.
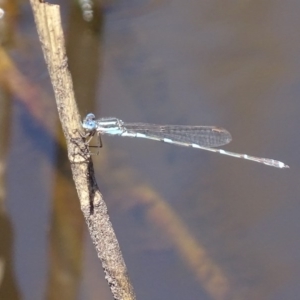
x: 281, y: 165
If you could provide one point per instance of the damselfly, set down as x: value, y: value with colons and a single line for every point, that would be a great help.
x: 199, y: 137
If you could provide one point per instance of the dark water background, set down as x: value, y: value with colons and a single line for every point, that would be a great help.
x: 233, y: 64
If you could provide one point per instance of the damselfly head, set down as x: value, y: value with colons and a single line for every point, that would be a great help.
x: 89, y: 122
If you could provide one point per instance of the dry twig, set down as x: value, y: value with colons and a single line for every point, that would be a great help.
x: 47, y: 18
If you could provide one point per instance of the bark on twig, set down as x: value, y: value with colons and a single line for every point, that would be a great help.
x: 47, y: 18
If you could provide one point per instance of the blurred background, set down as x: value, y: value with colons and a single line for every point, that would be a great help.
x: 191, y: 224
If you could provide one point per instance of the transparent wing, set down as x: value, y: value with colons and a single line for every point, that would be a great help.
x: 206, y: 136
